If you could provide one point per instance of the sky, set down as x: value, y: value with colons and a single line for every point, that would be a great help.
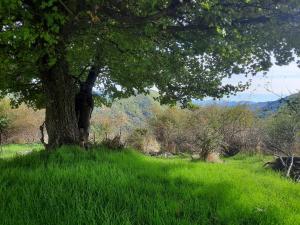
x: 280, y: 81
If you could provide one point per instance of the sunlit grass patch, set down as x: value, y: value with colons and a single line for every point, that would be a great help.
x: 11, y: 150
x: 72, y: 186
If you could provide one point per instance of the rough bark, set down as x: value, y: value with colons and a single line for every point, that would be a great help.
x: 68, y: 111
x: 0, y: 141
x: 61, y: 121
x: 84, y: 106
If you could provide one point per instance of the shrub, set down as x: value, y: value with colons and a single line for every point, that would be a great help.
x: 105, y: 124
x: 203, y: 130
x: 24, y: 123
x: 191, y: 131
x: 282, y: 134
x: 282, y: 139
x: 4, y: 120
x: 143, y: 140
x: 240, y: 130
x: 168, y: 127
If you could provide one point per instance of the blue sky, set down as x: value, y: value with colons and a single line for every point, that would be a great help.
x: 280, y: 81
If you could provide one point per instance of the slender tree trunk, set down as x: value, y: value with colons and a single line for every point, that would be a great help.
x: 84, y: 105
x: 61, y: 121
x: 0, y: 141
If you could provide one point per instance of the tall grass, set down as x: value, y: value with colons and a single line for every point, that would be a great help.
x: 11, y: 150
x: 71, y: 186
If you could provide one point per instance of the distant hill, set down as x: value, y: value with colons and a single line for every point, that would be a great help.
x: 263, y: 109
x: 128, y: 114
x: 267, y: 108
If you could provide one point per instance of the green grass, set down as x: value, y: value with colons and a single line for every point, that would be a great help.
x: 72, y: 186
x: 11, y: 150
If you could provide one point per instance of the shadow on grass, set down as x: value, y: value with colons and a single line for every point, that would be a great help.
x: 101, y: 187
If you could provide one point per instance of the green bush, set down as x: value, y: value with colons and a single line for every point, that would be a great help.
x: 4, y: 120
x: 282, y: 134
x: 207, y: 129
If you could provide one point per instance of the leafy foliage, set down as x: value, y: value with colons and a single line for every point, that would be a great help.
x: 184, y: 48
x: 20, y: 125
x: 4, y: 120
x: 240, y: 129
x: 203, y: 130
x: 282, y: 129
x: 124, y: 115
x: 4, y: 123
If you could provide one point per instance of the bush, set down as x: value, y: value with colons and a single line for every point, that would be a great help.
x: 4, y: 120
x: 24, y: 123
x: 203, y: 130
x: 240, y: 130
x: 168, y: 127
x: 190, y: 131
x: 104, y: 124
x: 282, y: 134
x: 143, y: 140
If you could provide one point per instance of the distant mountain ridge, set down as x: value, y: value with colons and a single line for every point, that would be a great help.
x: 137, y: 110
x: 262, y: 108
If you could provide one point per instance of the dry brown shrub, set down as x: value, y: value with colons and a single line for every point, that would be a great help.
x: 24, y: 124
x: 105, y: 125
x: 214, y: 157
x: 143, y: 140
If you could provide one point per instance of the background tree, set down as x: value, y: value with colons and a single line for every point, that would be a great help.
x: 282, y: 130
x: 282, y: 137
x: 4, y: 121
x: 238, y: 126
x: 23, y: 123
x: 184, y: 48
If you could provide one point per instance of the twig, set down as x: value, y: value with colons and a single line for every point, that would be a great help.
x: 77, y: 78
x: 66, y: 7
x: 290, y: 167
x: 42, y: 134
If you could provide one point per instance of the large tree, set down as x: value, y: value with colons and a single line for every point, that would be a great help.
x: 55, y: 51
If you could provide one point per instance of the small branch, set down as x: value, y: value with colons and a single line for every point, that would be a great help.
x: 77, y: 78
x: 66, y: 7
x: 83, y: 70
x: 290, y: 103
x: 290, y: 167
x: 281, y: 159
x: 42, y: 134
x: 0, y: 141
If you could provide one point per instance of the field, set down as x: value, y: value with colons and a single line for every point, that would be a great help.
x: 72, y: 186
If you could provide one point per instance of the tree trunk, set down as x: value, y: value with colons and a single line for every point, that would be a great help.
x: 61, y: 121
x: 84, y: 105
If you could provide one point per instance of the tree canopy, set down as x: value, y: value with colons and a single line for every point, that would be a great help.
x: 183, y: 47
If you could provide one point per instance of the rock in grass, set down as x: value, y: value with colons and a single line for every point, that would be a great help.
x: 214, y: 157
x: 195, y: 157
x: 23, y: 152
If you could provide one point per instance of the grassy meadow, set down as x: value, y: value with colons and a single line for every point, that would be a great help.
x: 71, y: 186
x: 12, y: 150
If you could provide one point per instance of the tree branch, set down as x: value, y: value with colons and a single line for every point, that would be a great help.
x: 123, y: 16
x: 66, y: 7
x: 290, y: 166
